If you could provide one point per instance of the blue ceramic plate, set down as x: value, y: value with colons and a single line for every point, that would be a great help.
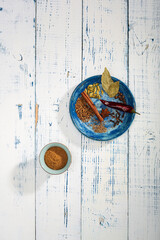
x: 112, y: 132
x: 43, y: 164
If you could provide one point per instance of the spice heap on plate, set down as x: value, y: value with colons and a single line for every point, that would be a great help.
x: 86, y: 110
x: 105, y: 113
x: 99, y: 127
x: 56, y: 158
x: 93, y: 90
x: 83, y: 110
x: 121, y: 97
x: 91, y: 104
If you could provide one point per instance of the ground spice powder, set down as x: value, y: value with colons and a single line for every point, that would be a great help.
x: 85, y: 114
x: 99, y: 128
x: 83, y: 110
x: 56, y: 158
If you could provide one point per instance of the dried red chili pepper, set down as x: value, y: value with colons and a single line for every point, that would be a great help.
x: 119, y: 106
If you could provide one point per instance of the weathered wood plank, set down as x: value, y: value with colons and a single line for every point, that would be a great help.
x: 17, y: 97
x: 144, y: 143
x: 104, y: 164
x: 58, y: 72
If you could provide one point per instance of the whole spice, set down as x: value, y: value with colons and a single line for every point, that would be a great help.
x: 91, y: 104
x: 105, y: 113
x: 56, y: 158
x: 85, y: 114
x: 109, y: 86
x: 83, y: 110
x: 121, y: 97
x: 119, y: 106
x: 93, y: 90
x: 116, y: 117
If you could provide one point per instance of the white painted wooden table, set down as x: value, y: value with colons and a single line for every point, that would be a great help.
x: 112, y: 189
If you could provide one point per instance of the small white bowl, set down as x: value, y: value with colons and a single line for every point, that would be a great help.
x: 43, y: 164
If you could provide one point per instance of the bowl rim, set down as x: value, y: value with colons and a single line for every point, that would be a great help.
x: 83, y: 83
x: 50, y: 170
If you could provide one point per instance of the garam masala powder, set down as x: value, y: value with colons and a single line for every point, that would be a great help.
x: 85, y: 114
x: 56, y: 158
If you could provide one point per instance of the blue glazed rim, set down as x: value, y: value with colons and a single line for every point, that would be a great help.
x: 82, y: 86
x: 43, y: 164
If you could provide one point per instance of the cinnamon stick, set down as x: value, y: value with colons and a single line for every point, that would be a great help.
x: 91, y: 104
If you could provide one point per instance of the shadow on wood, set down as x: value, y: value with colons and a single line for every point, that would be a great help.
x: 22, y: 178
x: 65, y: 122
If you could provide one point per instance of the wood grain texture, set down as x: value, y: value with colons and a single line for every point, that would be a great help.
x: 112, y: 189
x: 144, y: 141
x: 58, y: 57
x: 17, y: 97
x: 104, y: 164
